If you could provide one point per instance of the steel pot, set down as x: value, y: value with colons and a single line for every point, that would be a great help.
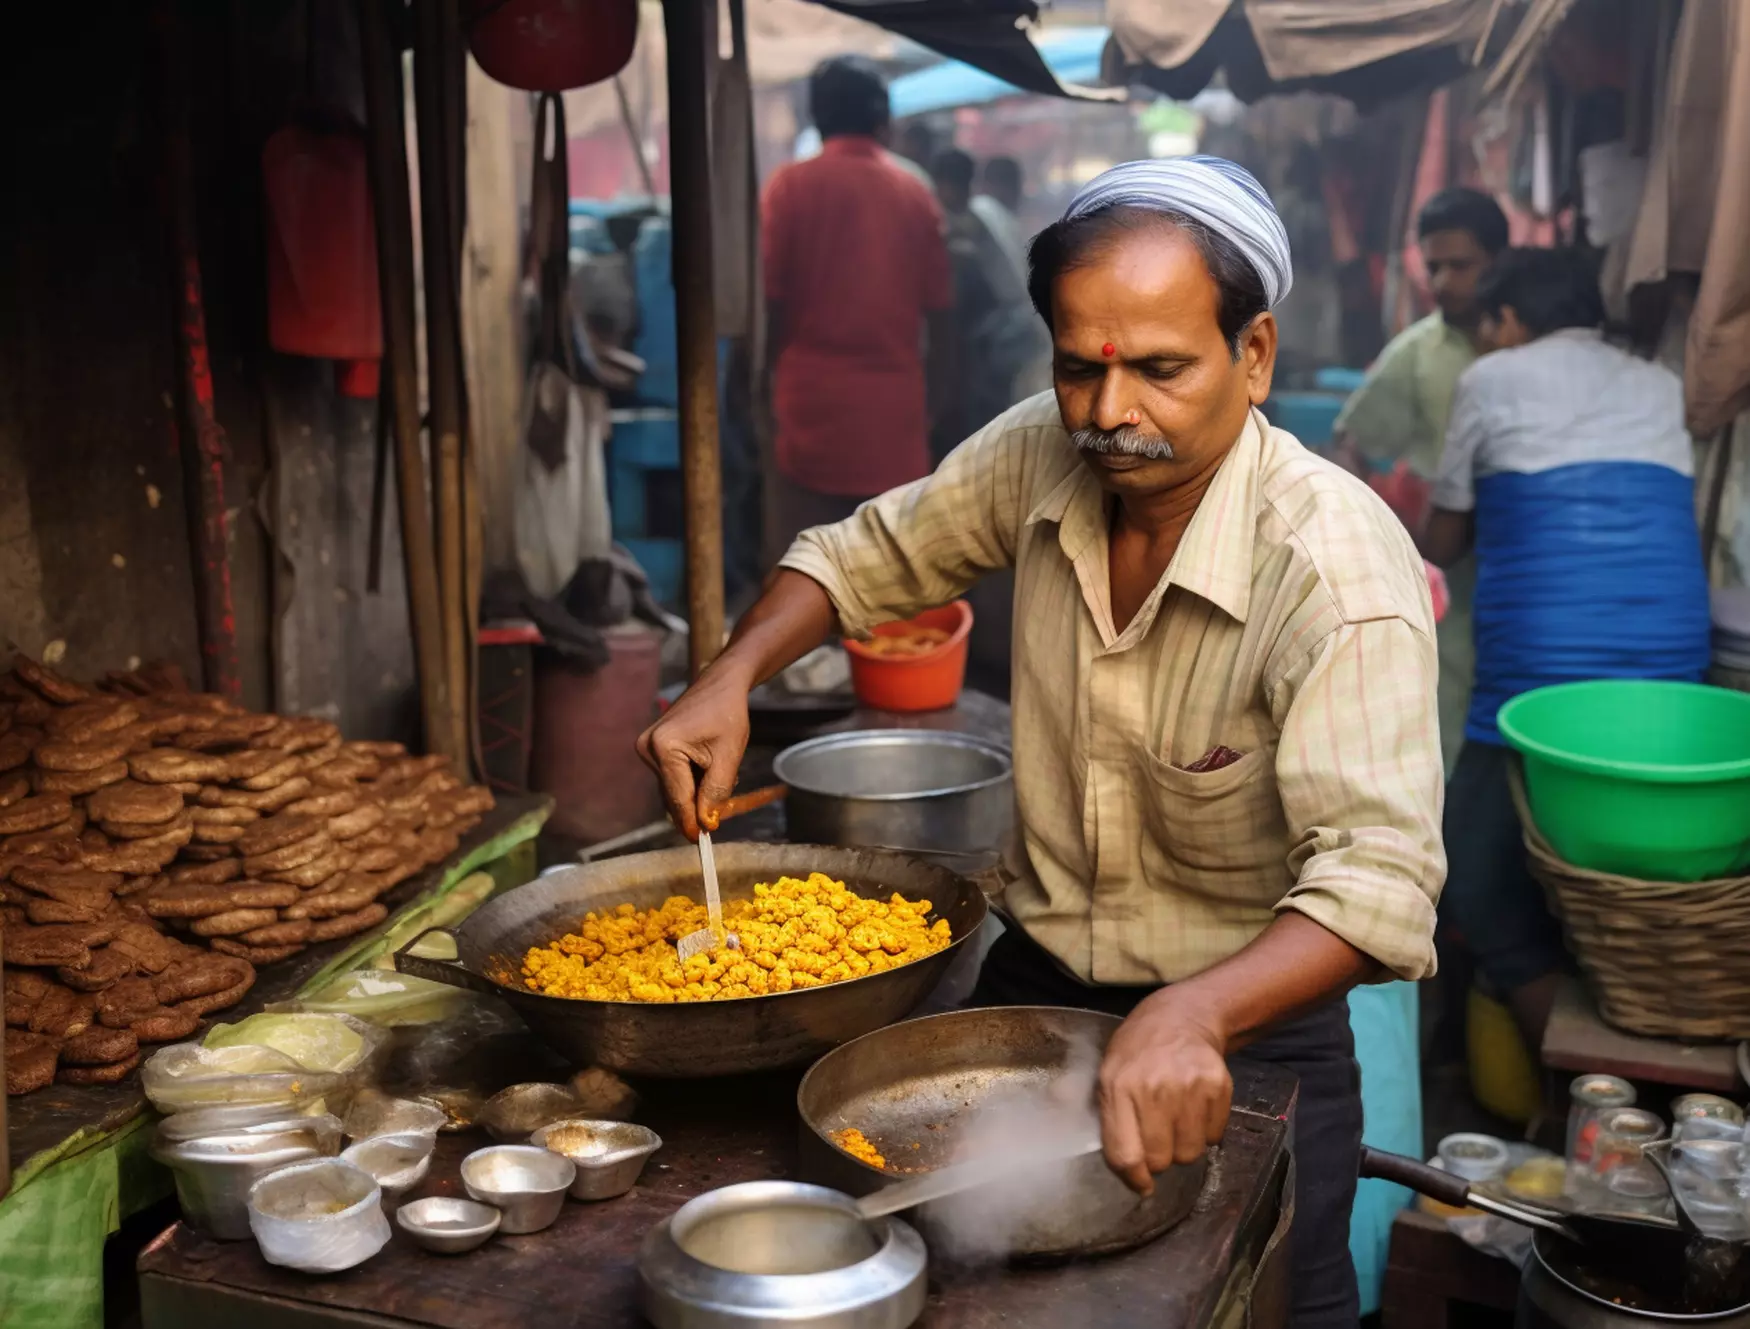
x: 780, y: 1252
x: 1550, y: 1298
x: 711, y: 1037
x: 910, y: 789
x: 214, y: 1175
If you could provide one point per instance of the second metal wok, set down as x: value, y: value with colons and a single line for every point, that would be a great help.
x: 699, y: 1038
x: 968, y: 1083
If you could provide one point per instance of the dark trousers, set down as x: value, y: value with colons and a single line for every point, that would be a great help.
x: 1492, y: 907
x: 1318, y: 1048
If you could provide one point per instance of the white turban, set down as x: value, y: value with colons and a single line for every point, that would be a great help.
x: 1223, y: 196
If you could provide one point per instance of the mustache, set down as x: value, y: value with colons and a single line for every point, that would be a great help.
x: 1126, y: 440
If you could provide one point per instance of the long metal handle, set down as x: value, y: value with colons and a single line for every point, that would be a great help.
x: 620, y: 843
x: 964, y: 1176
x: 452, y: 972
x: 1514, y: 1214
x: 1448, y: 1189
x: 1417, y: 1175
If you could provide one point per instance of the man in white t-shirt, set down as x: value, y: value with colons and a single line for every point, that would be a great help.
x: 1568, y: 469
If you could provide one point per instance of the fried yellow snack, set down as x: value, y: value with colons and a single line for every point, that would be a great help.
x: 794, y: 934
x: 858, y: 1146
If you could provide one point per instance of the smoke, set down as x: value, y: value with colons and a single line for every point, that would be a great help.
x: 1032, y: 1201
x: 1126, y: 440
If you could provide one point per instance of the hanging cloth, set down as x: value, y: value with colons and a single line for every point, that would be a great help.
x: 562, y: 489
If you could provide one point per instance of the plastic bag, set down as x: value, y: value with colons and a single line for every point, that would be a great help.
x: 187, y: 1076
x: 320, y: 1217
x: 249, y: 1119
x: 386, y: 998
x: 323, y: 1042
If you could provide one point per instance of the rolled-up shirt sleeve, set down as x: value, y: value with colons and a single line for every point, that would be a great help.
x: 925, y: 543
x: 1358, y: 766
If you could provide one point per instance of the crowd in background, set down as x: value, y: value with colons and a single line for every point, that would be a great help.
x: 896, y: 298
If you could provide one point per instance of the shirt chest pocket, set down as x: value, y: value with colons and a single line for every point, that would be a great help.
x: 1219, y: 832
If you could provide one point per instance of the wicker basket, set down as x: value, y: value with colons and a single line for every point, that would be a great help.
x: 1665, y: 959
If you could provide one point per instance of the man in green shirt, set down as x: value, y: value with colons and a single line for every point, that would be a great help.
x: 1398, y: 415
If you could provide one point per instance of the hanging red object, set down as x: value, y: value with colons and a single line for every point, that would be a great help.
x: 551, y: 45
x: 322, y: 298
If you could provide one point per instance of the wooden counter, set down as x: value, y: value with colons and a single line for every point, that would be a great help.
x: 581, y: 1272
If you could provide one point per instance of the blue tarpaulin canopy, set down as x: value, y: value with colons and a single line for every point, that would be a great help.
x: 1071, y: 54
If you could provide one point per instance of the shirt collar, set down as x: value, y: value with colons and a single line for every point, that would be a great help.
x: 1214, y: 557
x: 1574, y: 334
x: 851, y: 145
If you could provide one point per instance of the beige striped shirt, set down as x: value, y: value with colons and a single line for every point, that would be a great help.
x: 1292, y: 625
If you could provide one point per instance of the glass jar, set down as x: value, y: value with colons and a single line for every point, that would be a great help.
x: 1706, y: 1117
x: 1619, y: 1174
x: 1589, y: 1095
x: 1705, y: 1179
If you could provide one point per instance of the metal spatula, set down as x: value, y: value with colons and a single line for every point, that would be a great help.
x: 957, y: 1177
x: 714, y: 933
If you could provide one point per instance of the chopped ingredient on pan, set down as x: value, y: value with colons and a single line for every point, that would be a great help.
x: 794, y: 934
x: 858, y: 1146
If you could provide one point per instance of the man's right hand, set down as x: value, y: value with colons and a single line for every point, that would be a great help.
x: 695, y: 748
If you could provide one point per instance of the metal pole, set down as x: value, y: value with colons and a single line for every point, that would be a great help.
x: 696, y: 322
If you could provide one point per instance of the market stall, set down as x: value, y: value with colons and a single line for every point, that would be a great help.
x: 134, y: 917
x: 79, y: 1155
x: 582, y: 1270
x: 726, y: 1130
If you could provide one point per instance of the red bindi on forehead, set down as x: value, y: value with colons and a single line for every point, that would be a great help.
x: 1108, y: 350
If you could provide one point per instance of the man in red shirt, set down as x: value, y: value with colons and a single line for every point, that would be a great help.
x: 856, y: 272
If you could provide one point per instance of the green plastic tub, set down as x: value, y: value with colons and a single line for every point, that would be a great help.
x: 1636, y: 777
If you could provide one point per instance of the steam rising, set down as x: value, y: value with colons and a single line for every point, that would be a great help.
x: 990, y: 1222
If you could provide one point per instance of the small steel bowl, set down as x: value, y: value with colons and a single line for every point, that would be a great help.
x: 398, y: 1163
x: 374, y: 1113
x: 609, y: 1155
x: 446, y: 1224
x: 512, y: 1113
x: 526, y: 1183
x: 322, y: 1216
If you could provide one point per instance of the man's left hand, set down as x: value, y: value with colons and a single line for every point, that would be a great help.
x: 1164, y: 1088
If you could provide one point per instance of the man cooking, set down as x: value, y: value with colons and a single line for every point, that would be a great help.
x: 1227, y: 762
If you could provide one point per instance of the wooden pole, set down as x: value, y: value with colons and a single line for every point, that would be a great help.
x: 203, y: 446
x: 696, y: 323
x: 393, y: 211
x: 434, y: 96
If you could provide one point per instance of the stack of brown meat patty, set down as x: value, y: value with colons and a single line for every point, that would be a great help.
x: 140, y: 806
x: 81, y: 998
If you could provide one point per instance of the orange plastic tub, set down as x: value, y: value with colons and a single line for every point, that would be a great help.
x: 927, y: 681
